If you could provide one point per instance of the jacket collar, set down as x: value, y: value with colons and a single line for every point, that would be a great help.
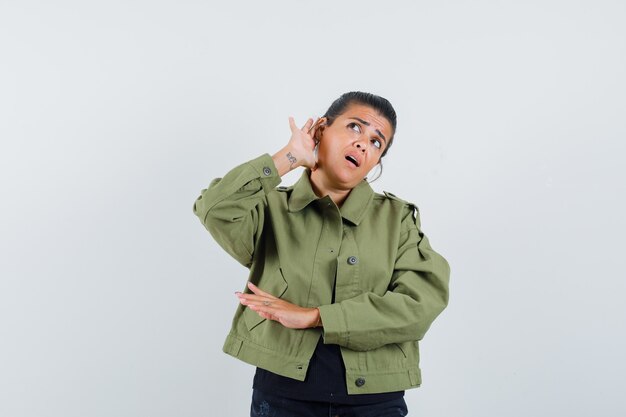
x: 353, y: 208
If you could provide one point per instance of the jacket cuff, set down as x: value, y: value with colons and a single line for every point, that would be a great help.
x: 266, y: 169
x: 334, y: 325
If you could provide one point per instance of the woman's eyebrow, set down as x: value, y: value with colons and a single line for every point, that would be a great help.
x: 367, y: 124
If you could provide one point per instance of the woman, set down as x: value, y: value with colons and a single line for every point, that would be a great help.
x: 343, y: 283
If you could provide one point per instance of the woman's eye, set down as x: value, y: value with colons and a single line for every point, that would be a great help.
x: 358, y: 128
x: 377, y: 143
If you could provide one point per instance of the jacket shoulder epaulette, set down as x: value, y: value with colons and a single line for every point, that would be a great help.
x: 392, y: 196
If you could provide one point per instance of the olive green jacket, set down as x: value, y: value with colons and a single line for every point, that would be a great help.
x: 389, y: 284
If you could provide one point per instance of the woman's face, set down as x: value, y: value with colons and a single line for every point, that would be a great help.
x: 351, y: 147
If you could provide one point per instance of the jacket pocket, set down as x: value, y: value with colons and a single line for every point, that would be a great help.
x: 273, y: 283
x: 401, y: 350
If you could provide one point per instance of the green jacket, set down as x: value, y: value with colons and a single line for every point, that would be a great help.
x: 389, y: 283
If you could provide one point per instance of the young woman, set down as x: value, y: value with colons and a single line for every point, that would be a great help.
x: 343, y: 282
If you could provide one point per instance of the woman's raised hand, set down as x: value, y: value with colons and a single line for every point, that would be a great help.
x: 299, y: 151
x: 302, y: 142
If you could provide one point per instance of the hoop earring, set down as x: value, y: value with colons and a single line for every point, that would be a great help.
x: 379, y: 173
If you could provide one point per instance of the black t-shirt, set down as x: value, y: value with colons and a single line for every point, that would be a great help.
x: 325, y: 381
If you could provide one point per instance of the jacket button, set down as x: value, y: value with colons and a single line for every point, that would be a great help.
x: 360, y: 382
x: 353, y: 260
x: 267, y: 172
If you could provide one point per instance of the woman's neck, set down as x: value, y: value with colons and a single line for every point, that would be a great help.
x: 322, y: 188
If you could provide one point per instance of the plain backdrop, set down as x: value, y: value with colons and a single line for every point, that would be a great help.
x: 114, y: 299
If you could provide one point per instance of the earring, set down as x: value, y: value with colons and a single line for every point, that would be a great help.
x: 378, y: 165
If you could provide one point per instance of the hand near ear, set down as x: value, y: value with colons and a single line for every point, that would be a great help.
x: 316, y: 132
x: 299, y: 151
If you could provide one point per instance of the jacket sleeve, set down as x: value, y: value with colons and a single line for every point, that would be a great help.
x: 417, y: 294
x: 232, y: 207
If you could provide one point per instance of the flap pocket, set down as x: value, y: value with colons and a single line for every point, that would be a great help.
x: 273, y: 283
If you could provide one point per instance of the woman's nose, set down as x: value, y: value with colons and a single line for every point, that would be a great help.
x: 361, y: 144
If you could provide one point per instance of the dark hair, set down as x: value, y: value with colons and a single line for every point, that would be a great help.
x: 380, y: 104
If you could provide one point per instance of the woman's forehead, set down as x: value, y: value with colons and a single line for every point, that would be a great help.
x: 356, y: 111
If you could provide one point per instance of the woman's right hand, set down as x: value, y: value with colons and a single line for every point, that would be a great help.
x: 302, y: 143
x: 299, y: 151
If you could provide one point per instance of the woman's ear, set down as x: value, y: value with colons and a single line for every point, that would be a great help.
x: 319, y: 127
x: 320, y: 123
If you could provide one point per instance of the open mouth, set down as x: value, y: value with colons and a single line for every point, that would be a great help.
x: 353, y: 160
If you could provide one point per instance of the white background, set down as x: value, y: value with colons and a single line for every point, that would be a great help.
x: 114, y: 299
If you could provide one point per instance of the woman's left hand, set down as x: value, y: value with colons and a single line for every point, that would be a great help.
x: 273, y: 308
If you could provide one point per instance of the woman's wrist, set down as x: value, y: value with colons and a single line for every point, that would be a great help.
x: 318, y: 321
x: 285, y: 160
